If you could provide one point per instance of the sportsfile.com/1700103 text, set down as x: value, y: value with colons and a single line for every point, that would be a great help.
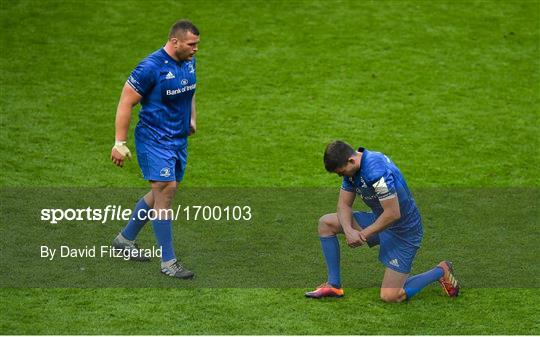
x: 118, y: 213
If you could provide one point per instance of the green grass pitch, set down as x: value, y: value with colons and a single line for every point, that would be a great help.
x: 450, y: 90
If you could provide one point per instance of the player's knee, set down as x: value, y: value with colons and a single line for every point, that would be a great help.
x: 325, y: 226
x: 171, y: 187
x: 389, y: 298
x: 165, y: 187
x: 391, y: 295
x: 163, y: 193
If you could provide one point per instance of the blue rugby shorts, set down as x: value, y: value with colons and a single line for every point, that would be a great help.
x: 396, y: 252
x: 161, y: 164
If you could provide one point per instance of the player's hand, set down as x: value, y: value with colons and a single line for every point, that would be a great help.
x: 354, y: 238
x: 119, y: 153
x: 192, y: 127
x: 364, y: 235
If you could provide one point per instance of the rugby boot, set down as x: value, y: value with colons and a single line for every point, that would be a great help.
x: 176, y: 269
x: 325, y: 290
x: 448, y: 281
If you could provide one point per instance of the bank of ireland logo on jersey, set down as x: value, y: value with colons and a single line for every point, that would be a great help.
x: 184, y: 82
x: 169, y: 76
x: 165, y: 172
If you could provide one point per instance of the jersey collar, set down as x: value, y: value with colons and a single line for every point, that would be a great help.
x: 363, y: 159
x: 168, y: 57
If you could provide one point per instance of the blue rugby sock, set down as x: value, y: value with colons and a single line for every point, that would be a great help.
x: 418, y: 282
x: 135, y: 225
x: 163, y: 233
x: 330, y: 248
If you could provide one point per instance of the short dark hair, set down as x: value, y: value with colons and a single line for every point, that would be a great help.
x: 336, y: 155
x: 181, y: 27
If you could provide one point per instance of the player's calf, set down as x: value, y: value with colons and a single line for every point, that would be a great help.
x: 329, y: 225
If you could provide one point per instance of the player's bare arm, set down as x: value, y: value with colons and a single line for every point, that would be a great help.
x: 128, y: 99
x: 344, y: 214
x: 193, y: 121
x: 391, y: 213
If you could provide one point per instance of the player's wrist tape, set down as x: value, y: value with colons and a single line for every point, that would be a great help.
x: 120, y: 146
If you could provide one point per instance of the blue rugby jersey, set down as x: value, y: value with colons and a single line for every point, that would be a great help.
x: 378, y: 179
x: 167, y: 88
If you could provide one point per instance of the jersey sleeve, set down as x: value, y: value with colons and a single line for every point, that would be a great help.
x: 385, y: 187
x: 142, y: 78
x: 347, y: 185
